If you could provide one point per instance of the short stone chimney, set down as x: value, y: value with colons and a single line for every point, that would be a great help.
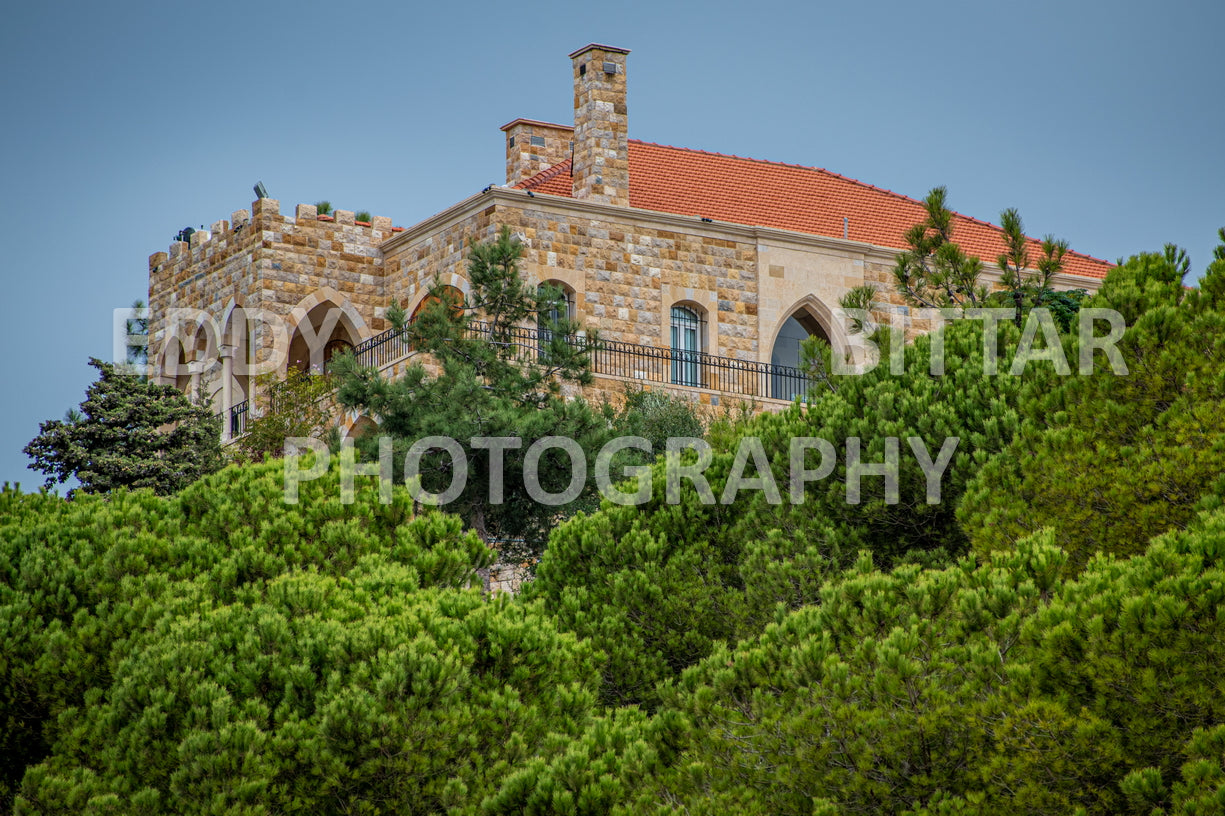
x: 533, y: 146
x: 601, y: 170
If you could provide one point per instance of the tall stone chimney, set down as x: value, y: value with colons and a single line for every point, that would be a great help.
x: 601, y: 170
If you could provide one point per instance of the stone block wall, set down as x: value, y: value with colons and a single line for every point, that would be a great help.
x: 217, y: 266
x: 261, y: 259
x: 627, y: 268
x: 411, y: 268
x: 304, y: 254
x: 626, y: 275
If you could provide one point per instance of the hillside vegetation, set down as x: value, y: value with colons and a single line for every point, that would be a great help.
x: 1045, y: 638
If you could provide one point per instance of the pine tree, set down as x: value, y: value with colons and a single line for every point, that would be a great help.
x: 1138, y: 643
x: 129, y: 433
x: 934, y: 272
x: 1023, y: 289
x: 88, y: 583
x: 320, y: 694
x: 480, y: 374
x: 1109, y: 460
x: 655, y: 586
x: 897, y: 691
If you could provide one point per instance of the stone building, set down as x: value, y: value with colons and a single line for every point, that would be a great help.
x: 702, y: 271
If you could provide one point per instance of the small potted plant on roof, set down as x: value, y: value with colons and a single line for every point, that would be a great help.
x: 363, y: 218
x: 323, y: 210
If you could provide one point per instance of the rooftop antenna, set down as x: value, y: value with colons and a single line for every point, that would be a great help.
x: 260, y: 191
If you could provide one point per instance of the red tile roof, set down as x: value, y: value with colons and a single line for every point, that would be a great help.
x: 787, y: 196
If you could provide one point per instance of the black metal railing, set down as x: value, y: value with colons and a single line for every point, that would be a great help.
x: 694, y: 369
x: 241, y: 413
x: 631, y: 361
x: 238, y: 418
x: 383, y: 349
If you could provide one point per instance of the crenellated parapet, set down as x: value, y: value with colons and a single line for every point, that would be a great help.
x: 265, y: 263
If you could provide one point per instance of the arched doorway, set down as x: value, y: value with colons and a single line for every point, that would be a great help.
x: 237, y: 330
x: 324, y: 332
x: 786, y: 379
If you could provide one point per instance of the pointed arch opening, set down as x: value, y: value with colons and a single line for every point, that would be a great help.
x: 362, y: 426
x: 204, y: 383
x: 787, y: 380
x: 173, y: 361
x: 237, y: 330
x: 178, y: 368
x: 325, y: 331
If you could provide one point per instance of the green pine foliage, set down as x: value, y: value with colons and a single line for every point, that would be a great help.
x: 997, y: 686
x: 1110, y: 461
x: 83, y: 582
x: 655, y: 416
x: 934, y: 272
x: 478, y: 377
x: 981, y: 688
x: 603, y: 770
x: 657, y: 585
x: 129, y: 433
x: 898, y: 691
x: 319, y: 694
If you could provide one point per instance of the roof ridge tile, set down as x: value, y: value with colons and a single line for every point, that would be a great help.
x: 544, y: 175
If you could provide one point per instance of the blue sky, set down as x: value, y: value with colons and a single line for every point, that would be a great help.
x: 124, y: 122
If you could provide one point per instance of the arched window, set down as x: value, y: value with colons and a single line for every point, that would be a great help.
x: 558, y: 307
x: 453, y: 295
x: 686, y: 346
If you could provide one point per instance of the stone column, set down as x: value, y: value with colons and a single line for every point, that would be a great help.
x: 227, y: 389
x: 194, y: 368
